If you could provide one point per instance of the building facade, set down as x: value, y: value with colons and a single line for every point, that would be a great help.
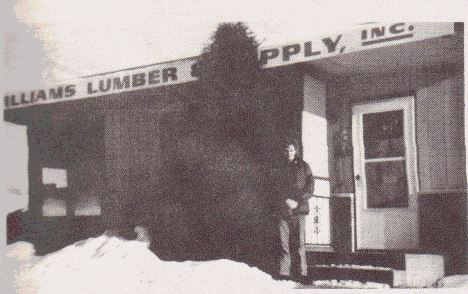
x: 379, y: 110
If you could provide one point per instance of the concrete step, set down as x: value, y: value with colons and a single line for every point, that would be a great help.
x: 371, y: 266
x: 388, y: 259
x: 351, y: 273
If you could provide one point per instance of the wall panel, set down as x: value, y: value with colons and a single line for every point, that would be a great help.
x: 440, y: 135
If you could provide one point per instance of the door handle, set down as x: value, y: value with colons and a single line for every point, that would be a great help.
x: 358, y: 177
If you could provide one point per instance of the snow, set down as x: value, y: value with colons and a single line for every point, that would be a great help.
x: 457, y: 281
x: 347, y: 284
x: 109, y: 264
x: 355, y: 266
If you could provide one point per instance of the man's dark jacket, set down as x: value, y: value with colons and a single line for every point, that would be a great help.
x: 297, y: 184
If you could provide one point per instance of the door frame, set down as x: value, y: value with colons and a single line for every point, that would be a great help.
x: 407, y: 104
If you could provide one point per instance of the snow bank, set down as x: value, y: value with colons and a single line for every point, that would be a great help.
x: 113, y: 265
x: 348, y: 284
x: 458, y: 281
x: 14, y: 260
x: 21, y: 251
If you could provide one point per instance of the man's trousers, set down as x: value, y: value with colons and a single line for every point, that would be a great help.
x: 292, y: 228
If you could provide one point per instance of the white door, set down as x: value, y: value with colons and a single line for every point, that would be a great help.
x: 385, y: 174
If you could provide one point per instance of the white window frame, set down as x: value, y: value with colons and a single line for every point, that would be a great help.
x: 402, y: 103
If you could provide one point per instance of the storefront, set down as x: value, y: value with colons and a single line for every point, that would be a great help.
x: 379, y: 110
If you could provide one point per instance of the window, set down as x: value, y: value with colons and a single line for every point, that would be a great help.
x: 384, y: 159
x: 87, y: 205
x: 55, y: 181
x: 58, y: 199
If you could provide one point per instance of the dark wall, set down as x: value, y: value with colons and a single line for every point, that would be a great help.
x: 49, y: 234
x: 66, y: 136
x: 443, y: 229
x: 341, y: 223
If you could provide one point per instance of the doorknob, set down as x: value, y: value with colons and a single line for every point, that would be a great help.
x: 358, y: 177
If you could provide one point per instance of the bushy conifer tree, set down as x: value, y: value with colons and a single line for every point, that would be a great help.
x: 229, y: 70
x: 231, y: 90
x: 216, y: 179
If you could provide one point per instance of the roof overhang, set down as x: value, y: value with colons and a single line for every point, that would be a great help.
x: 371, y: 48
x: 434, y: 52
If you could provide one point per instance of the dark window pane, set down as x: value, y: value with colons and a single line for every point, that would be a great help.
x: 386, y: 184
x: 383, y: 134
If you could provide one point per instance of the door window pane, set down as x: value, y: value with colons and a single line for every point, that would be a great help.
x: 386, y: 184
x: 383, y: 134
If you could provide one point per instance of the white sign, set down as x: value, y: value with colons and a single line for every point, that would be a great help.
x: 362, y: 38
x: 182, y: 71
x: 176, y: 72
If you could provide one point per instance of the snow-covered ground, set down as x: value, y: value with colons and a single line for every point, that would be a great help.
x: 110, y: 264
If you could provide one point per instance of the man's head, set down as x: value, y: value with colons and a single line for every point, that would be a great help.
x: 292, y: 148
x: 291, y: 152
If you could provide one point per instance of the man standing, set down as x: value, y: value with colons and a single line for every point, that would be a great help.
x: 297, y: 190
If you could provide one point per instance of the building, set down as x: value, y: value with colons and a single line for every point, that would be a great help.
x: 379, y: 110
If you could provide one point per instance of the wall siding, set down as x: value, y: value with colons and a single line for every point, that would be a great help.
x: 132, y: 140
x: 440, y: 135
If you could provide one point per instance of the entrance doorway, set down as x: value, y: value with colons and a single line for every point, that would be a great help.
x: 385, y: 174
